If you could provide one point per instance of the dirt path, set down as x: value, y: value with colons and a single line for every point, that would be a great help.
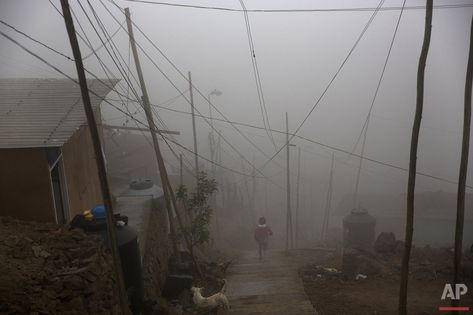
x: 269, y: 287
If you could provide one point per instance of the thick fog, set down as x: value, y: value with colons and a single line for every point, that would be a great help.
x: 297, y: 55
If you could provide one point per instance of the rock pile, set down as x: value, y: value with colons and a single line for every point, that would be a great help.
x: 386, y: 243
x: 47, y: 269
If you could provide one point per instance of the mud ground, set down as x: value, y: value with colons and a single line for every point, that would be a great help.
x: 430, y: 270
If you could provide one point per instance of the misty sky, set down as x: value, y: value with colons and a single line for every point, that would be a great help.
x: 297, y: 55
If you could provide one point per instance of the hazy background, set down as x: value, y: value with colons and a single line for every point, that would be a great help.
x: 297, y: 54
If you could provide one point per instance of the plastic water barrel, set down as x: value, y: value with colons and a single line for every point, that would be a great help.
x: 129, y: 251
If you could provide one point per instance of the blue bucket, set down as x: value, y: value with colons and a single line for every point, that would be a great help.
x: 98, y: 211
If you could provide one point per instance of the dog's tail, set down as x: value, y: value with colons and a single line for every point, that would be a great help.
x: 224, y: 287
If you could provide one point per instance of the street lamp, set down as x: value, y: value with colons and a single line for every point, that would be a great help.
x: 216, y: 93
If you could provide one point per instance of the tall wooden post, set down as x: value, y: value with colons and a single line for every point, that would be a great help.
x: 211, y: 138
x: 288, y: 192
x: 194, y: 133
x: 253, y: 193
x: 463, y: 169
x: 328, y: 202
x: 297, y: 195
x: 355, y: 196
x: 181, y: 173
x: 99, y: 158
x: 249, y: 217
x: 413, y: 162
x: 312, y: 209
x: 265, y: 196
x: 149, y: 116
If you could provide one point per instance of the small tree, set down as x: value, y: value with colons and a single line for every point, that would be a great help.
x: 198, y: 210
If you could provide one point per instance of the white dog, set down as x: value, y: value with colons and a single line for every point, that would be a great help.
x: 211, y: 302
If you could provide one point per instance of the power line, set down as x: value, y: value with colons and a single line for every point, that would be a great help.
x: 154, y: 112
x: 366, y: 123
x: 36, y: 41
x: 185, y: 78
x: 243, y: 124
x: 259, y: 87
x: 114, y: 47
x: 164, y: 138
x: 87, y: 41
x: 117, y: 62
x: 332, y: 79
x: 125, y: 72
x: 367, y: 9
x: 180, y: 72
x: 187, y: 100
x: 101, y: 45
x: 208, y: 160
x: 331, y: 147
x: 104, y: 67
x: 102, y: 64
x: 106, y: 101
x: 88, y: 44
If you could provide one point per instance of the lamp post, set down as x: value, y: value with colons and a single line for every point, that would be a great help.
x: 213, y: 156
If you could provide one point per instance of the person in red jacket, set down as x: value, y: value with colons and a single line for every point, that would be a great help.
x: 262, y: 234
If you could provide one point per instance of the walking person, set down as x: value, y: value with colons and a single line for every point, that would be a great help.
x: 262, y: 234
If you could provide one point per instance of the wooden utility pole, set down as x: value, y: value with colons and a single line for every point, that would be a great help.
x: 181, y: 173
x: 149, y: 116
x: 159, y: 131
x: 463, y: 169
x: 328, y: 202
x: 99, y: 158
x: 193, y: 126
x: 253, y: 193
x: 288, y: 192
x: 297, y: 195
x: 265, y: 196
x: 250, y: 216
x: 355, y: 195
x: 413, y: 161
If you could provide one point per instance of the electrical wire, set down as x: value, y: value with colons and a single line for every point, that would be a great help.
x: 102, y: 64
x: 110, y: 51
x: 259, y: 87
x: 328, y: 146
x: 319, y: 99
x: 184, y: 77
x: 418, y: 7
x: 106, y: 101
x: 248, y: 125
x: 366, y: 122
x: 85, y: 40
x: 101, y: 45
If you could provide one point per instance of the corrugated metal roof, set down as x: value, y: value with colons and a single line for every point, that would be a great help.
x: 44, y: 112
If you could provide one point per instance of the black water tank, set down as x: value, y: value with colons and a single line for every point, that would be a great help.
x: 359, y: 230
x: 129, y: 251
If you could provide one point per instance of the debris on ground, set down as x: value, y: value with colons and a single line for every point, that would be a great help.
x: 48, y: 269
x: 367, y: 274
x: 360, y: 276
x: 386, y: 243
